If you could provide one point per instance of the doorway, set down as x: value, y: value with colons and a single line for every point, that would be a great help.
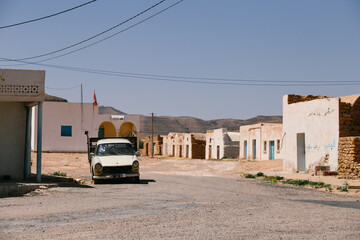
x: 245, y: 149
x: 254, y: 148
x: 301, y: 161
x: 272, y: 150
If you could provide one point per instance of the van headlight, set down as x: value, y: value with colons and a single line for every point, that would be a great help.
x: 98, y: 169
x: 135, y: 164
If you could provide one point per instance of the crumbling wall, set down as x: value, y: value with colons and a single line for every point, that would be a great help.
x: 231, y: 151
x: 158, y: 145
x: 198, y: 148
x: 349, y: 157
x: 292, y: 98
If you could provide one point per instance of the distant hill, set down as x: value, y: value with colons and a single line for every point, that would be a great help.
x: 163, y: 125
x: 109, y: 110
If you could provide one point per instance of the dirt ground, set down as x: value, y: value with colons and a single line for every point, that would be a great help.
x: 76, y: 165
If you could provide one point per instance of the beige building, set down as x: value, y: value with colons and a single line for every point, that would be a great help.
x: 20, y: 90
x: 65, y: 123
x: 222, y: 144
x: 324, y: 131
x: 157, y: 141
x: 261, y: 141
x: 194, y: 145
x: 184, y: 145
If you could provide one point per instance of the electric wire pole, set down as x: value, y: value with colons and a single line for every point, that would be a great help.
x: 152, y: 135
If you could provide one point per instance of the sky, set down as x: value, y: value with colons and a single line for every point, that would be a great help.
x: 195, y: 41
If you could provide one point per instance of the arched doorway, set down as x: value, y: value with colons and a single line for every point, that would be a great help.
x: 127, y: 129
x: 107, y: 129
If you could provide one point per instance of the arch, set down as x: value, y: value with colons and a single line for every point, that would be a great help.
x: 107, y: 129
x: 127, y: 129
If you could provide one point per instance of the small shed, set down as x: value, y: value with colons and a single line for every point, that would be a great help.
x: 20, y: 90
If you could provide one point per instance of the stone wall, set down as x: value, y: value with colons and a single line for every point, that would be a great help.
x: 198, y: 148
x: 349, y: 157
x: 349, y: 119
x: 292, y: 98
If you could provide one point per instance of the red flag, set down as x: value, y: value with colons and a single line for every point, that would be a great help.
x: 95, y: 101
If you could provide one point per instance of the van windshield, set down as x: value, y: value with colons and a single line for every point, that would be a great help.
x: 110, y: 149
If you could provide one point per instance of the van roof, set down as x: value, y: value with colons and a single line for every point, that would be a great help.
x: 113, y: 140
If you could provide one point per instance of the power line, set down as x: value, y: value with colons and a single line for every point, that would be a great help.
x: 101, y: 40
x: 97, y: 35
x: 208, y: 81
x: 68, y: 88
x: 49, y: 16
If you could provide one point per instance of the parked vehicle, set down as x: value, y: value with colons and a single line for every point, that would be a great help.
x: 113, y: 158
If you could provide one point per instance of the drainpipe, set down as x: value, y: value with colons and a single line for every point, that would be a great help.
x: 39, y: 143
x: 27, y: 143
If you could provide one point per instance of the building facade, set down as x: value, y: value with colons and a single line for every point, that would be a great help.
x: 65, y: 123
x: 222, y: 144
x: 184, y: 145
x: 20, y: 90
x: 261, y: 141
x: 324, y: 131
x: 157, y: 141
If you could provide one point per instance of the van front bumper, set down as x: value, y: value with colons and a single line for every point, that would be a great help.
x: 117, y: 176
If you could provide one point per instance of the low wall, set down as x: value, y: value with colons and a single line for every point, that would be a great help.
x: 349, y: 157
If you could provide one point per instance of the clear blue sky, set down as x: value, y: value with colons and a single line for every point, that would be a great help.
x: 275, y: 40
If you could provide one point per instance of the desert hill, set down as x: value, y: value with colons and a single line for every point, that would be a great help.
x: 163, y: 125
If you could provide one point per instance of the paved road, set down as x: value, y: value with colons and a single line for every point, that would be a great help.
x: 181, y: 207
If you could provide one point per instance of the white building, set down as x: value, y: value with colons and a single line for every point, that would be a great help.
x: 261, y: 141
x: 64, y: 126
x: 20, y: 90
x: 316, y: 128
x: 222, y: 144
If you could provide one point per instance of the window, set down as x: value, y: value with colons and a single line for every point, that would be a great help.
x: 66, y: 131
x: 265, y: 146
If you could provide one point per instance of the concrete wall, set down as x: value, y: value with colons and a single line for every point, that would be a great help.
x: 221, y: 144
x: 12, y: 139
x: 81, y: 118
x: 19, y: 90
x: 319, y: 121
x: 263, y: 134
x: 209, y: 136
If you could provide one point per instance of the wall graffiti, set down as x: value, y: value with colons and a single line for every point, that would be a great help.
x: 317, y: 147
x: 318, y: 114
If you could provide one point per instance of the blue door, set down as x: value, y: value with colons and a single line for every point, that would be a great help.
x: 272, y: 149
x: 254, y: 149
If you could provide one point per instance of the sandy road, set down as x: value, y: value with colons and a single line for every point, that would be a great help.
x: 178, y: 199
x: 167, y: 206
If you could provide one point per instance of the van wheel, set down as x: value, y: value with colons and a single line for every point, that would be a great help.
x: 136, y: 179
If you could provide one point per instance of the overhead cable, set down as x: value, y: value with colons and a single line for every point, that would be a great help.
x: 49, y: 16
x: 101, y: 40
x: 208, y: 81
x: 97, y: 35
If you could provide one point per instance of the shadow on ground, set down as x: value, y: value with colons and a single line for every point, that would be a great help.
x: 342, y: 204
x: 124, y: 181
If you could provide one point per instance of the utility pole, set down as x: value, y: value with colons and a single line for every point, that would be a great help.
x: 152, y: 135
x: 82, y: 107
